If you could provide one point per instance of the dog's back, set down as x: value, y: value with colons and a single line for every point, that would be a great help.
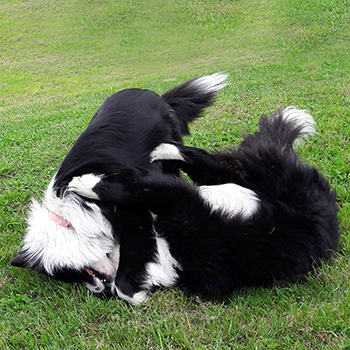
x: 132, y: 122
x: 283, y: 227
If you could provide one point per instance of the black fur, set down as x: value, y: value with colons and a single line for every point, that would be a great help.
x: 295, y: 228
x: 120, y: 138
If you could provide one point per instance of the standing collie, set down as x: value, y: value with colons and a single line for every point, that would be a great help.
x: 255, y: 215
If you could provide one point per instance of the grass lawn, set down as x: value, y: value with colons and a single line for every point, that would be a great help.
x: 58, y: 62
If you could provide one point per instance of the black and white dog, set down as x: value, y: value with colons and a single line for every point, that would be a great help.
x: 108, y: 246
x: 255, y: 215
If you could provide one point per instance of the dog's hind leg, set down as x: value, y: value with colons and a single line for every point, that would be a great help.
x: 202, y: 167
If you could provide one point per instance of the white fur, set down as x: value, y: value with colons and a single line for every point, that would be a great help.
x: 98, y: 286
x: 84, y: 184
x: 56, y: 246
x: 210, y: 83
x: 230, y: 199
x: 166, y: 151
x: 136, y: 299
x: 105, y: 267
x: 114, y: 256
x: 162, y: 272
x: 302, y: 119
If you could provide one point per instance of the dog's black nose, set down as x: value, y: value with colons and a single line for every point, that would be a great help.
x: 109, y: 290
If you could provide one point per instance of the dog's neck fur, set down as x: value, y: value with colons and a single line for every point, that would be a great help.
x: 56, y: 246
x: 60, y: 221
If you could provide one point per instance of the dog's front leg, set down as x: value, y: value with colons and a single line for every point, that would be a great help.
x: 137, y: 249
x: 156, y: 192
x: 135, y: 233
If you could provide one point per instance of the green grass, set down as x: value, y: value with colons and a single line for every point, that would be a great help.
x: 59, y: 60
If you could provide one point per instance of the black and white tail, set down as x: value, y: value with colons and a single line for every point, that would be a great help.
x: 289, y: 125
x: 191, y: 98
x: 281, y: 129
x: 301, y: 121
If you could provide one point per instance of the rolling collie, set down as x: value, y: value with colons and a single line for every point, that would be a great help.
x: 253, y: 216
x: 108, y: 246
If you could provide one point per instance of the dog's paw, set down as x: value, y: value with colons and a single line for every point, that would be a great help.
x: 165, y: 151
x: 83, y: 185
x: 136, y: 299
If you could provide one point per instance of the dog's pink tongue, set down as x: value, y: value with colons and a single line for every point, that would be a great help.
x: 90, y: 272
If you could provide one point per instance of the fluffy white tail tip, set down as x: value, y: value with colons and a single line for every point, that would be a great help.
x: 209, y: 84
x: 302, y: 119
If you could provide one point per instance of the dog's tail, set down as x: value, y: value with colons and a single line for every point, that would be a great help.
x: 291, y: 125
x: 190, y: 99
x: 282, y: 129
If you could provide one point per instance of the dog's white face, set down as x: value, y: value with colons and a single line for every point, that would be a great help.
x: 82, y: 251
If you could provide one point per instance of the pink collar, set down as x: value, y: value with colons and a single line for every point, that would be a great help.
x: 58, y: 220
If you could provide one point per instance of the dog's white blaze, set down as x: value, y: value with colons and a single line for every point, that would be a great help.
x: 162, y: 272
x: 300, y: 118
x: 84, y: 184
x: 56, y: 246
x: 136, y: 299
x: 230, y: 199
x: 165, y: 151
x: 210, y: 83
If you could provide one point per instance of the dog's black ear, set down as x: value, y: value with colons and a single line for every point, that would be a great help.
x: 21, y: 259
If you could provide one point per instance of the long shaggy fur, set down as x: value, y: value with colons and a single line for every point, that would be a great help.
x: 256, y: 215
x: 117, y: 217
x: 109, y: 246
